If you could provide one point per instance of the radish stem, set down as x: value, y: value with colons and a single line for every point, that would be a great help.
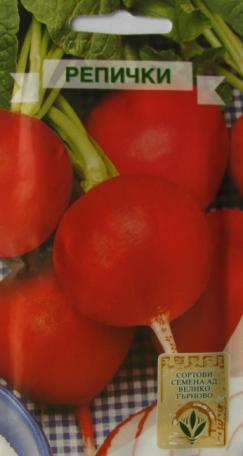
x: 231, y: 78
x: 225, y: 34
x: 35, y: 48
x: 45, y: 42
x: 48, y: 103
x: 41, y: 108
x: 85, y: 424
x: 162, y: 330
x: 35, y: 60
x: 62, y: 104
x: 87, y: 159
x: 22, y: 65
x: 215, y: 43
x: 85, y: 154
x: 67, y: 109
x: 108, y: 163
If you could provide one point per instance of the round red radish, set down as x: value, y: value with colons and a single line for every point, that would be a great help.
x: 35, y: 182
x: 164, y: 133
x: 236, y: 158
x: 49, y: 351
x: 131, y: 250
x: 209, y: 325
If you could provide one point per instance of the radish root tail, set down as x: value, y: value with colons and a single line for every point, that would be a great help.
x: 162, y: 330
x: 85, y: 424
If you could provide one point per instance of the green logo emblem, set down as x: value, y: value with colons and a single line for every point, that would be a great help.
x: 193, y: 426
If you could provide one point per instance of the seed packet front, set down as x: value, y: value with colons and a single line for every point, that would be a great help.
x: 121, y: 221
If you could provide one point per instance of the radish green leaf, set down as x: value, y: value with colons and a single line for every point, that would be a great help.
x: 230, y: 10
x: 57, y: 15
x: 188, y: 22
x: 9, y: 24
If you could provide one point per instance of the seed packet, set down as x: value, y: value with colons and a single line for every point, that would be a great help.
x: 121, y: 243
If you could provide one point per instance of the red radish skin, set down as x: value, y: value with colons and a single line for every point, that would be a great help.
x: 209, y: 325
x: 164, y: 134
x: 35, y: 183
x: 131, y: 250
x: 51, y: 353
x: 236, y: 158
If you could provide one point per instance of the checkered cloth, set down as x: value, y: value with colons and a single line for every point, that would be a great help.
x: 134, y: 387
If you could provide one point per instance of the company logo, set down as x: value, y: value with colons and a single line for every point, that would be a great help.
x: 195, y: 421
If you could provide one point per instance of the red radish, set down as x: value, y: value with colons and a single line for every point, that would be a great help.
x: 133, y: 251
x: 209, y: 324
x: 51, y: 353
x: 236, y: 158
x: 164, y: 133
x: 35, y: 182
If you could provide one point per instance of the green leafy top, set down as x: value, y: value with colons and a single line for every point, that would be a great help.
x: 57, y: 16
x: 188, y: 22
x: 207, y: 32
x: 9, y: 25
x: 230, y: 10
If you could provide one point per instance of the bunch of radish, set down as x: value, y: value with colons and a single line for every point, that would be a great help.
x: 50, y: 353
x: 135, y: 249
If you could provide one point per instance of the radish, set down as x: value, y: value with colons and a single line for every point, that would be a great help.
x: 35, y: 183
x: 219, y: 311
x: 236, y: 159
x: 133, y: 251
x: 164, y: 133
x: 51, y: 353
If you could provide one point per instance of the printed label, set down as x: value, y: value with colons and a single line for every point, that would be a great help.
x: 192, y: 400
x: 117, y: 74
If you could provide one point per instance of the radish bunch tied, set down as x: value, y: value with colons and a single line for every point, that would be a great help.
x: 133, y: 251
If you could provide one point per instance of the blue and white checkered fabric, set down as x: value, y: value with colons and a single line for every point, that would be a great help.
x: 133, y: 388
